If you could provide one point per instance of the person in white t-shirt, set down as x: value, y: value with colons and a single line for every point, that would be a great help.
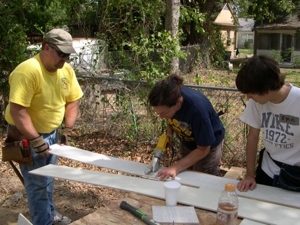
x: 273, y: 108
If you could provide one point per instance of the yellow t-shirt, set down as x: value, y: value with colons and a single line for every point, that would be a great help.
x: 44, y: 94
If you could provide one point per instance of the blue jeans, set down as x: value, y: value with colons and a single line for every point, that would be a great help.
x: 39, y: 189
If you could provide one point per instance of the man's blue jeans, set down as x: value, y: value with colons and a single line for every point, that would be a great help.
x: 39, y: 189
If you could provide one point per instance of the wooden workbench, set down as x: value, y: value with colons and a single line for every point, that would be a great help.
x: 113, y: 214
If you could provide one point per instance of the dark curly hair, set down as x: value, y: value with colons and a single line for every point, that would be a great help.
x: 166, y: 92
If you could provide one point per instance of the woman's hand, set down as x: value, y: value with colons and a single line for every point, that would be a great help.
x: 167, y: 173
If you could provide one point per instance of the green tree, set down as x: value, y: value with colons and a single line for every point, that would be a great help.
x: 241, y: 7
x: 17, y: 17
x: 43, y: 15
x: 136, y: 37
x: 197, y: 23
x: 264, y: 10
x: 12, y: 37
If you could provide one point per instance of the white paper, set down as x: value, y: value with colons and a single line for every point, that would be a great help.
x: 176, y: 214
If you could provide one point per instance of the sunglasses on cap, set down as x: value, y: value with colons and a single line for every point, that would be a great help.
x: 58, y: 52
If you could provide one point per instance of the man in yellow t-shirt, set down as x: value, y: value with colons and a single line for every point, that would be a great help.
x: 44, y: 92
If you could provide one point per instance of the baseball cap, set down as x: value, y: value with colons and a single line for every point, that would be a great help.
x: 62, y: 39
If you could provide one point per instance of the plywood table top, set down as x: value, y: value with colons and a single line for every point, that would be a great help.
x: 113, y: 214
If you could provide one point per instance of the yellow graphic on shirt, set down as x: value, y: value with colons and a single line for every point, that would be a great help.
x: 182, y: 129
x: 64, y: 83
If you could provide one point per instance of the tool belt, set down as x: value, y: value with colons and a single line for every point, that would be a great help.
x: 12, y: 148
x: 288, y: 178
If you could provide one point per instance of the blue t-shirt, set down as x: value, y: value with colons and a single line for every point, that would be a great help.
x: 197, y: 123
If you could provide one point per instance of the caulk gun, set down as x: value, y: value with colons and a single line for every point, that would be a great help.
x: 159, y: 152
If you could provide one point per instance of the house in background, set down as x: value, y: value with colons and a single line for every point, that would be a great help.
x: 89, y: 56
x: 245, y: 33
x: 280, y: 39
x: 228, y: 23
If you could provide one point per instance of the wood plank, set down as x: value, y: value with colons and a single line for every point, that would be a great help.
x: 250, y: 222
x: 261, y: 192
x: 22, y: 220
x: 204, y: 198
x: 234, y: 173
x: 134, y: 168
x: 190, y: 178
x: 112, y: 214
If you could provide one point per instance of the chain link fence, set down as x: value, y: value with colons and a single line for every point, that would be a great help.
x: 117, y: 108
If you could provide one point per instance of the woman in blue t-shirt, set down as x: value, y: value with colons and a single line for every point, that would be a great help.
x: 191, y: 116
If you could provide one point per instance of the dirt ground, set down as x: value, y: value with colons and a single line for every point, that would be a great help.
x: 72, y: 199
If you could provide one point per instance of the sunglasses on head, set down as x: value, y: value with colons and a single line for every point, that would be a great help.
x: 60, y: 53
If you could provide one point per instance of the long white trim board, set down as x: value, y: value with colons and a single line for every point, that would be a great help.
x: 22, y: 220
x: 204, y: 198
x: 249, y: 222
x: 195, y: 179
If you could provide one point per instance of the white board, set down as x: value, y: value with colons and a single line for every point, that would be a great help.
x: 175, y: 214
x: 22, y: 220
x: 204, y: 198
x: 250, y: 222
x: 195, y: 179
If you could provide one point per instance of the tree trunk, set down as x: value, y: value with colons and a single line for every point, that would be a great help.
x: 172, y: 24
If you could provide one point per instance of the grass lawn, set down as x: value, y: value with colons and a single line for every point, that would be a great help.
x: 226, y: 78
x: 292, y: 76
x: 244, y: 52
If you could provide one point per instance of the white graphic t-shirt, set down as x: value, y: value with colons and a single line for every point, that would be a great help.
x: 280, y: 129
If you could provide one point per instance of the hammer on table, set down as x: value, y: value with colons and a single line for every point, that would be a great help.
x: 138, y: 213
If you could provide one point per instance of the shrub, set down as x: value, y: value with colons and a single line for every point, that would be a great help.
x: 246, y: 44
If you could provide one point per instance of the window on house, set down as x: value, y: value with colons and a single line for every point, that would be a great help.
x: 228, y: 41
x: 263, y: 41
x: 297, y: 42
x: 250, y: 38
x: 269, y: 41
x: 247, y: 37
x: 275, y: 41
